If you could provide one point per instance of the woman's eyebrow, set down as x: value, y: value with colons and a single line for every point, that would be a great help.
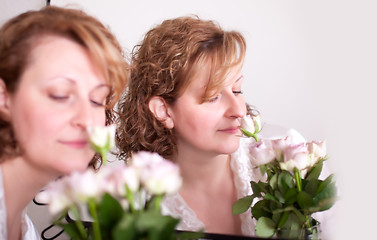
x: 239, y: 78
x: 102, y: 85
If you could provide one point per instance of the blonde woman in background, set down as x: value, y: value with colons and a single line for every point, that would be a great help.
x: 184, y: 102
x: 60, y: 71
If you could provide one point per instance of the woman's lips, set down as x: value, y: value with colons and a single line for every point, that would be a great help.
x: 78, y: 144
x: 232, y: 130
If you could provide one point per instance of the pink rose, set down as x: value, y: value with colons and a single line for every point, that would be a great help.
x: 295, y: 155
x: 261, y: 152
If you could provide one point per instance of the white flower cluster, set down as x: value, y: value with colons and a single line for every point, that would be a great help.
x: 290, y: 155
x: 148, y: 172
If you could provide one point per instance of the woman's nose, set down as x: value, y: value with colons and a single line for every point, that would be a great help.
x: 83, y: 116
x: 236, y: 106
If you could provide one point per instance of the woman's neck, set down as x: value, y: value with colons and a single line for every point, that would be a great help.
x: 208, y: 188
x: 203, y: 169
x: 22, y: 182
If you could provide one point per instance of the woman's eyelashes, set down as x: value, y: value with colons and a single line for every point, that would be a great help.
x: 59, y: 97
x: 214, y: 99
x: 236, y: 92
x: 217, y: 97
x: 98, y: 103
x: 99, y: 95
x: 63, y: 98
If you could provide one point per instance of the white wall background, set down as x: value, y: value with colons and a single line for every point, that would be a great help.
x: 310, y: 65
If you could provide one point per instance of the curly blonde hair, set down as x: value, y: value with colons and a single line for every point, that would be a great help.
x: 163, y: 65
x: 19, y: 36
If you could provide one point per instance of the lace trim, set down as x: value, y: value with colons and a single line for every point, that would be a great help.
x: 175, y: 206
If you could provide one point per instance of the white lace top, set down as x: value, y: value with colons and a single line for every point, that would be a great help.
x: 243, y: 173
x: 29, y: 232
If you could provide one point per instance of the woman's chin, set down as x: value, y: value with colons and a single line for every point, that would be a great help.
x: 68, y: 169
x: 230, y: 148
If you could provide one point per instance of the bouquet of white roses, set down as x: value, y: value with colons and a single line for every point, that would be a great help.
x: 117, y: 202
x: 284, y: 202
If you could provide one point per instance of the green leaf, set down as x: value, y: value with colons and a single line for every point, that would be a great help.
x: 257, y: 188
x: 285, y: 181
x: 276, y: 216
x: 125, y: 229
x: 311, y: 186
x: 242, y: 205
x: 261, y: 209
x: 274, y: 181
x: 151, y: 219
x: 315, y: 171
x: 157, y: 226
x: 300, y: 216
x: 109, y: 211
x: 283, y: 219
x: 324, y: 183
x: 304, y: 200
x: 264, y: 187
x: 289, y: 230
x: 265, y: 227
x: 292, y: 222
x: 71, y: 230
x: 270, y: 197
x: 168, y: 231
x: 290, y: 196
x: 263, y: 169
x: 279, y: 196
x: 327, y: 197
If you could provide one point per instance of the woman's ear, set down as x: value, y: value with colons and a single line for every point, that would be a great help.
x: 4, y: 101
x: 159, y: 108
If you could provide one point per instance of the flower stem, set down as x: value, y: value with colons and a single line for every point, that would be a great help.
x: 158, y: 202
x: 131, y: 199
x: 298, y: 179
x: 255, y: 137
x: 93, y: 213
x: 104, y: 156
x: 78, y: 223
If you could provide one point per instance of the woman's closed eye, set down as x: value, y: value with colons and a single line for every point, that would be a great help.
x: 97, y: 103
x: 99, y: 95
x: 237, y: 92
x: 58, y: 97
x: 214, y: 99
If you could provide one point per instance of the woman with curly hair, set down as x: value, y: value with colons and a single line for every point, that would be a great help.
x: 60, y: 72
x: 184, y: 102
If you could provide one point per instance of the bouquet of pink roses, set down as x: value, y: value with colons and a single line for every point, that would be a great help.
x: 284, y: 202
x: 116, y: 202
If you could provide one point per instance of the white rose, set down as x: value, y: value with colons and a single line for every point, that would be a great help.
x: 251, y: 123
x: 317, y: 150
x: 102, y: 137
